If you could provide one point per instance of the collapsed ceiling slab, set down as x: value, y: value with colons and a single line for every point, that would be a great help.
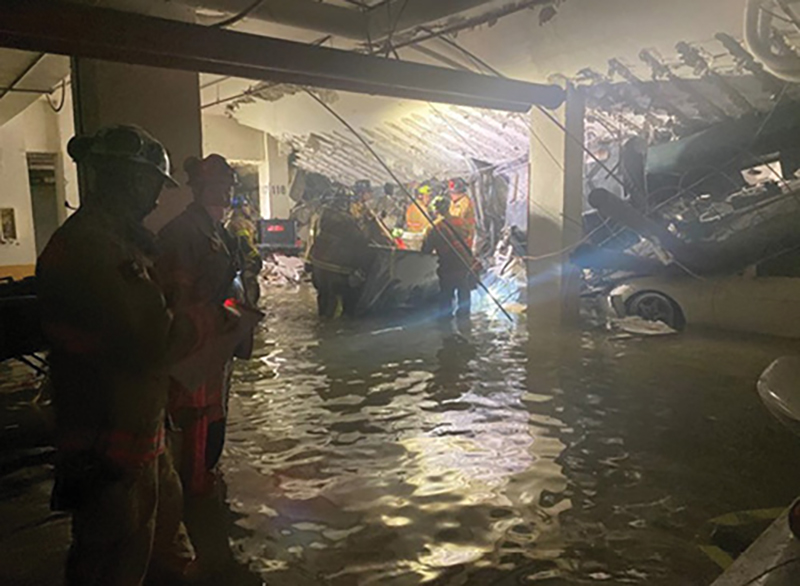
x: 442, y: 142
x: 66, y: 28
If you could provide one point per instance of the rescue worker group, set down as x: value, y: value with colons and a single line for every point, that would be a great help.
x: 143, y: 329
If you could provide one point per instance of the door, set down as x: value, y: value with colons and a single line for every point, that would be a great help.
x: 44, y: 198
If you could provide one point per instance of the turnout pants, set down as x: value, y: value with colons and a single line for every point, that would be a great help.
x: 331, y: 287
x: 117, y: 531
x: 201, y: 418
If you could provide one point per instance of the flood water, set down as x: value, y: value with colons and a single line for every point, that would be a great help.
x: 404, y: 451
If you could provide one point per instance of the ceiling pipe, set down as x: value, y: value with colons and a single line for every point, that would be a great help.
x: 364, y: 26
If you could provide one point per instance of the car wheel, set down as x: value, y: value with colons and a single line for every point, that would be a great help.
x: 653, y: 306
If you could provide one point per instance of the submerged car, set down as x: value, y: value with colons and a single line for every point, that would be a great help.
x: 763, y: 299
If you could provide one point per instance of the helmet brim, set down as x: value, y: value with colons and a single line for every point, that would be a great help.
x: 169, y: 182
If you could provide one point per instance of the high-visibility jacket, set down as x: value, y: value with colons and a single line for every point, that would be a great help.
x: 111, y: 335
x: 463, y: 216
x: 415, y: 219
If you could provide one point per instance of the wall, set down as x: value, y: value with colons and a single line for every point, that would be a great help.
x: 236, y: 142
x: 280, y: 205
x: 245, y: 144
x: 16, y: 258
x: 37, y: 129
x: 164, y: 102
x: 225, y: 136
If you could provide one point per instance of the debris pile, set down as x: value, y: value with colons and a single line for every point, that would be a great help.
x: 280, y: 270
x: 713, y: 202
x: 633, y: 325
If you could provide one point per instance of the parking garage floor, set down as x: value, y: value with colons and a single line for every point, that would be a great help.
x: 404, y: 450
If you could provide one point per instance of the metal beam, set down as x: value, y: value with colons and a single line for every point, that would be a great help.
x: 100, y: 33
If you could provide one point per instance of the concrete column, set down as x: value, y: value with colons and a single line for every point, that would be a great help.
x: 164, y: 102
x: 555, y: 205
x: 280, y: 204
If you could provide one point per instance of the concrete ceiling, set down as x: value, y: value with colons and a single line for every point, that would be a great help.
x: 366, y: 21
x: 23, y: 70
x: 361, y: 22
x: 420, y: 140
x: 584, y: 33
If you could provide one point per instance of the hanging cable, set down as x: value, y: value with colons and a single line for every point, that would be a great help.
x: 60, y: 106
x: 238, y: 17
x: 414, y: 201
x: 583, y: 147
x: 544, y: 111
x: 396, y: 20
x: 477, y: 60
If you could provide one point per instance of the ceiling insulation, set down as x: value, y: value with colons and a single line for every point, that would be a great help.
x: 664, y: 97
x: 445, y: 141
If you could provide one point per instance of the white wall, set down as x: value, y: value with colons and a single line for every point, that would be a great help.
x: 37, y: 129
x: 15, y: 193
x: 226, y: 137
x: 277, y: 184
x: 241, y: 143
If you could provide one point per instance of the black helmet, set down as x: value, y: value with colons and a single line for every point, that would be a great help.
x: 362, y: 186
x: 129, y: 143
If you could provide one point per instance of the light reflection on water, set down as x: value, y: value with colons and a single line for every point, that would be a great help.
x: 369, y: 453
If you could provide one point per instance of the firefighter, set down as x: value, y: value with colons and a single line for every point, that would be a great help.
x: 112, y: 341
x: 362, y: 199
x: 197, y: 267
x: 449, y: 242
x: 462, y: 214
x: 242, y: 229
x: 339, y: 257
x: 415, y: 220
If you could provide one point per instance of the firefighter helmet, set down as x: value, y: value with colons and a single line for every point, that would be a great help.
x: 122, y: 142
x: 457, y: 185
x: 213, y: 169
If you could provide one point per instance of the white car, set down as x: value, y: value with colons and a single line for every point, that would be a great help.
x: 764, y: 299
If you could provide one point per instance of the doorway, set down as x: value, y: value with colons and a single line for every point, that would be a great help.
x: 44, y: 197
